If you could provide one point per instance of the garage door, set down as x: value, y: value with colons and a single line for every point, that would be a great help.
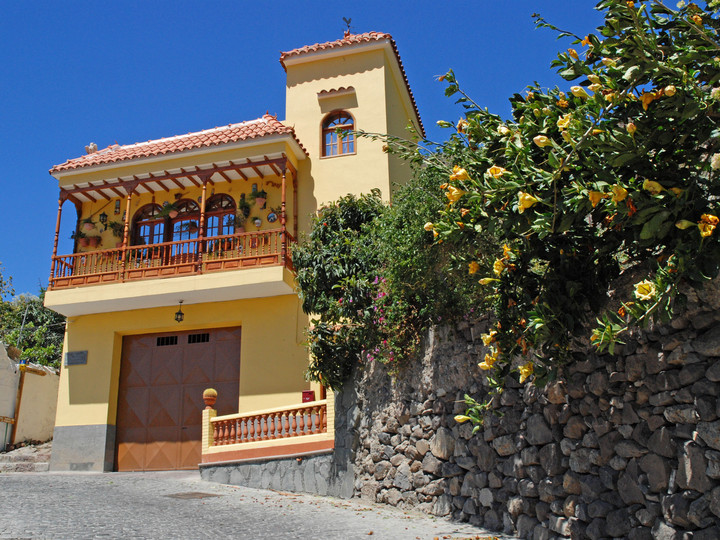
x: 162, y: 377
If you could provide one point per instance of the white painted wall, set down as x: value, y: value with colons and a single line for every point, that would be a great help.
x: 38, y: 405
x: 9, y: 378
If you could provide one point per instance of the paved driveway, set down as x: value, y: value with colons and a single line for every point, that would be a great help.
x: 180, y: 505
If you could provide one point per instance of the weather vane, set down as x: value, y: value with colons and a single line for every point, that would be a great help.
x: 347, y: 22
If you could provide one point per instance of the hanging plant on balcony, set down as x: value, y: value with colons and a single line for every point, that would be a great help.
x: 244, y: 206
x: 169, y: 210
x: 117, y: 228
x: 258, y: 222
x: 260, y: 198
x: 88, y: 224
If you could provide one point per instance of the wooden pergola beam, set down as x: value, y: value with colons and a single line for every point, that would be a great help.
x: 255, y: 168
x: 113, y: 189
x: 102, y: 194
x: 242, y: 174
x: 274, y: 167
x: 159, y: 183
x: 249, y: 164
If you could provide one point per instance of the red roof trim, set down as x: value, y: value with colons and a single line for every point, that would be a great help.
x: 253, y: 129
x: 354, y: 39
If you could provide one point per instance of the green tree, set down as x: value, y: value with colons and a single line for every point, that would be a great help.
x: 25, y: 323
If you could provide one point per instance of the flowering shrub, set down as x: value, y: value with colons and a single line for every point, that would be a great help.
x: 373, y: 281
x: 616, y: 173
x: 536, y: 216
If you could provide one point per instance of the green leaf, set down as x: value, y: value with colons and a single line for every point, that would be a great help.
x: 652, y: 227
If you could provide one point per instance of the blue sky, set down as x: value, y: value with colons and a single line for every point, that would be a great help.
x: 75, y: 72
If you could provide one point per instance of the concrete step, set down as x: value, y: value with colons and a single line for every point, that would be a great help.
x: 24, y: 466
x: 37, y: 457
x: 29, y: 458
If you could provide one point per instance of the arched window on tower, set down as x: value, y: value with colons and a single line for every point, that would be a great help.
x: 337, y: 136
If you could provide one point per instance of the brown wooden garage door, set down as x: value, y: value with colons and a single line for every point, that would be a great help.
x: 162, y: 377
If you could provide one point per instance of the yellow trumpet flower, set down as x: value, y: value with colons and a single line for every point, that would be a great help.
x: 459, y: 174
x: 525, y: 371
x: 525, y: 201
x: 653, y: 187
x: 542, y: 140
x: 496, y: 172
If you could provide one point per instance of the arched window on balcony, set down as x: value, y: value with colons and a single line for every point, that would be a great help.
x: 335, y: 140
x: 148, y: 225
x: 186, y: 225
x: 219, y: 215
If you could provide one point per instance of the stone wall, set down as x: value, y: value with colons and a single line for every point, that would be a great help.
x: 625, y: 446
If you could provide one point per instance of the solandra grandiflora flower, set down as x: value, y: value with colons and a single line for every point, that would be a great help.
x: 525, y: 201
x: 453, y: 194
x: 525, y: 371
x: 496, y: 172
x: 542, y: 141
x: 707, y: 224
x: 645, y: 290
x: 459, y: 174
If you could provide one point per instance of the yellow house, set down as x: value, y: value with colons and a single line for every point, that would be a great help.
x: 181, y: 278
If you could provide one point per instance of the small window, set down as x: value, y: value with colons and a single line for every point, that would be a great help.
x: 199, y: 338
x: 337, y: 135
x: 164, y: 341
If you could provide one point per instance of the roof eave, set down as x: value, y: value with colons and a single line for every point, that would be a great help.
x: 299, y: 152
x: 334, y: 52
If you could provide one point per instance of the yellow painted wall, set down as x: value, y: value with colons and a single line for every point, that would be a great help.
x: 333, y: 177
x: 380, y: 104
x: 400, y: 111
x: 272, y: 357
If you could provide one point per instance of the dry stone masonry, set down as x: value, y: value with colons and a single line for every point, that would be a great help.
x: 624, y: 446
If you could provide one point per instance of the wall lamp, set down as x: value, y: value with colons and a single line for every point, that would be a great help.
x: 179, y: 315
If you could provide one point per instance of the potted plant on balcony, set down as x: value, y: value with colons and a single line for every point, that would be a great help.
x: 187, y: 226
x: 260, y: 198
x: 243, y: 206
x: 81, y: 238
x: 87, y: 224
x: 239, y: 222
x: 169, y: 210
x: 118, y: 231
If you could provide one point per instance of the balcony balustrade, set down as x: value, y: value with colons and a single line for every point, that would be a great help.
x: 294, y: 430
x: 169, y: 259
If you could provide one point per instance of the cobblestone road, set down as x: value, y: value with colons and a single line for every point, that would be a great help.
x: 169, y: 505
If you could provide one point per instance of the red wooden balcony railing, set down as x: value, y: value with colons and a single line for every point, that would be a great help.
x: 219, y: 253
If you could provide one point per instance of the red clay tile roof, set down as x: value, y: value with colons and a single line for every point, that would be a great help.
x: 252, y: 129
x: 354, y: 39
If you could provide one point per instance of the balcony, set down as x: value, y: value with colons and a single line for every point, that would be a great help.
x: 171, y: 259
